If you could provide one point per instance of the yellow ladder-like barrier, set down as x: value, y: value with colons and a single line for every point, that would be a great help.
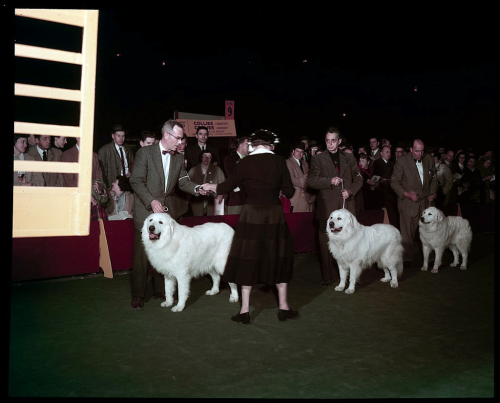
x: 58, y: 211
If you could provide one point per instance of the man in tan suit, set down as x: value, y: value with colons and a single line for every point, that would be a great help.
x: 302, y: 200
x: 43, y: 152
x: 414, y: 181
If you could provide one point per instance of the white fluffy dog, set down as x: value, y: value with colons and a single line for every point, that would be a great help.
x: 181, y: 253
x: 438, y: 232
x: 356, y: 247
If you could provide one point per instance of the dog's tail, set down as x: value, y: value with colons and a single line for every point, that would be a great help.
x: 399, y: 266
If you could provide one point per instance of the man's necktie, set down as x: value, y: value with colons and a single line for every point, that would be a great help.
x: 167, y: 151
x: 44, y: 158
x: 300, y: 164
x: 123, y: 161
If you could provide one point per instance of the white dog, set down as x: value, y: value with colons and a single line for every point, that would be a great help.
x: 181, y: 253
x: 439, y: 232
x: 356, y: 247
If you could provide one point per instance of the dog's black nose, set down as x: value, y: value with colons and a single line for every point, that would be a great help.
x: 151, y: 228
x: 331, y: 224
x: 422, y: 219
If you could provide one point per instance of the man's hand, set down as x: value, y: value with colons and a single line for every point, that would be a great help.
x: 157, y: 207
x: 336, y: 181
x: 432, y: 196
x: 411, y: 195
x: 346, y: 193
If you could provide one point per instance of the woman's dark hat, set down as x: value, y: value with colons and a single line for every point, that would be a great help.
x: 265, y: 136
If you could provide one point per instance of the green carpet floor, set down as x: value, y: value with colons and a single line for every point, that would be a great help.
x: 431, y: 337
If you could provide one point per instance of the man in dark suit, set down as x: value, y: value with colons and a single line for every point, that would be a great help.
x: 336, y: 175
x: 192, y: 152
x: 236, y: 197
x: 383, y: 167
x: 157, y: 171
x: 414, y: 181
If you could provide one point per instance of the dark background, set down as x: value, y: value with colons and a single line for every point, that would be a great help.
x: 194, y: 58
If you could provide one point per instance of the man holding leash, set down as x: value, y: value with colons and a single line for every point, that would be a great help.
x: 336, y: 175
x: 157, y: 171
x: 414, y: 181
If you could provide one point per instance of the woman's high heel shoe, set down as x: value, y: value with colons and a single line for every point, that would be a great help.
x: 287, y: 314
x: 242, y: 317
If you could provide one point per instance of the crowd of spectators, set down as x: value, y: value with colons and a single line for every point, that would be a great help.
x: 465, y: 176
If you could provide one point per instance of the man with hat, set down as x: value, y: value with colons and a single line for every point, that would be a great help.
x: 302, y: 200
x: 116, y: 157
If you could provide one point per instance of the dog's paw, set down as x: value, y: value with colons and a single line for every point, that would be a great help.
x: 454, y: 264
x: 463, y: 267
x: 349, y: 291
x: 339, y: 288
x: 423, y: 268
x: 166, y: 304
x: 394, y: 284
x: 233, y: 298
x: 385, y: 279
x: 434, y: 271
x: 177, y: 308
x: 212, y: 292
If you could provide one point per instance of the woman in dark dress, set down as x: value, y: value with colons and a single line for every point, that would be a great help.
x: 262, y: 248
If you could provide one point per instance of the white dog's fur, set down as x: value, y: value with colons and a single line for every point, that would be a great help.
x: 438, y: 232
x: 356, y: 247
x: 181, y: 253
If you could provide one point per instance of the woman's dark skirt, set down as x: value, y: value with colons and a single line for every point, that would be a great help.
x: 262, y: 248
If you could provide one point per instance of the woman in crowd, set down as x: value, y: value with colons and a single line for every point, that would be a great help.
x: 121, y: 203
x: 262, y: 248
x: 205, y: 172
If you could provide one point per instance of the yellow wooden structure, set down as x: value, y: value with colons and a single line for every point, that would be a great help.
x: 56, y: 211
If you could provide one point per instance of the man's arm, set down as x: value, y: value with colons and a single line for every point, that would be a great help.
x: 314, y: 178
x: 138, y: 179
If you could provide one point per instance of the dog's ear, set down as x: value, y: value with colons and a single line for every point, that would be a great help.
x: 439, y: 216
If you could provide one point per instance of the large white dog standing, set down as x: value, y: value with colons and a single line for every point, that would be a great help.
x: 181, y: 253
x: 357, y: 247
x: 438, y: 232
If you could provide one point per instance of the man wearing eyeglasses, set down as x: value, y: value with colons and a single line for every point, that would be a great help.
x: 158, y: 169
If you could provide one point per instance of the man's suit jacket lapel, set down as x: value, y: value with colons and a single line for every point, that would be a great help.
x: 327, y: 160
x: 173, y: 173
x: 414, y: 169
x: 342, y: 163
x: 158, y: 162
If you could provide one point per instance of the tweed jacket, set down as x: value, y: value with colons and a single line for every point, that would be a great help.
x: 110, y: 161
x: 35, y: 178
x: 234, y: 198
x: 49, y: 178
x: 320, y: 175
x: 71, y: 155
x: 302, y: 200
x: 148, y: 182
x: 405, y: 178
x: 214, y: 175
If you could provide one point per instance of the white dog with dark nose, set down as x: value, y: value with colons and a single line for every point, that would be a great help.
x: 438, y: 232
x: 182, y: 253
x: 357, y: 247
